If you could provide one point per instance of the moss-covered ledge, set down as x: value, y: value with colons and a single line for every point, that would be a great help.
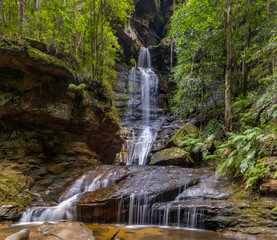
x: 25, y: 53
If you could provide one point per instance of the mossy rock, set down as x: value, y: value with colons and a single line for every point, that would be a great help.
x: 187, y: 131
x: 172, y: 156
x: 13, y: 188
x: 45, y: 58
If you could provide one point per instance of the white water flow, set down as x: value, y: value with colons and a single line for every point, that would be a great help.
x: 66, y: 208
x: 141, y: 119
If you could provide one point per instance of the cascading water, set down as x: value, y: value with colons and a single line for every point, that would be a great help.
x: 140, y: 125
x: 141, y: 119
x: 66, y: 208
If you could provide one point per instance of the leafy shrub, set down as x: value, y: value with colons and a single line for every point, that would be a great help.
x: 197, y: 145
x: 241, y: 151
x: 133, y: 62
x: 80, y: 88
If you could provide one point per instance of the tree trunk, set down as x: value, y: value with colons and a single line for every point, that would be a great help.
x: 247, y: 44
x: 22, y: 8
x: 172, y: 45
x: 2, y: 13
x: 228, y: 115
x: 102, y: 42
x: 38, y: 5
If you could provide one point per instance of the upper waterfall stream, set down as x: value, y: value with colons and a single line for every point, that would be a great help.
x: 140, y: 123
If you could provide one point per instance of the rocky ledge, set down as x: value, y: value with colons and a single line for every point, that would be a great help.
x: 49, y: 133
x: 177, y: 196
x: 146, y: 185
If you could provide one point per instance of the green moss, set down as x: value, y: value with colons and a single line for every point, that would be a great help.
x: 22, y: 201
x: 11, y: 188
x: 9, y: 46
x: 45, y: 58
x: 187, y: 131
x: 170, y: 153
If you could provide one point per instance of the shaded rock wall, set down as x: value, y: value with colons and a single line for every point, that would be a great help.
x: 148, y: 27
x: 48, y: 133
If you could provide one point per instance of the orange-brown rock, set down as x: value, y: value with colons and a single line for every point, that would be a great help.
x: 48, y: 132
x: 269, y: 182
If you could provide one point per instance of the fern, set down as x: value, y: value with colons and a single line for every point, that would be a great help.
x: 258, y: 172
x: 197, y: 145
x: 241, y: 151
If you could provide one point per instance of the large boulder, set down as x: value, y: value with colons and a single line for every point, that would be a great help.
x: 187, y: 131
x: 65, y: 230
x: 21, y: 235
x: 172, y: 156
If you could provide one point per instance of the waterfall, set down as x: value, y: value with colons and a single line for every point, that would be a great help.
x: 140, y: 125
x: 141, y: 118
x: 66, y: 208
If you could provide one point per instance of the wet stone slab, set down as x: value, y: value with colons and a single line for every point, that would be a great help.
x: 131, y: 199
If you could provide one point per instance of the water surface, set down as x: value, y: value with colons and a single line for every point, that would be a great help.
x: 104, y: 232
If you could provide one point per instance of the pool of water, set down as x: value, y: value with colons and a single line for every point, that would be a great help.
x: 104, y: 232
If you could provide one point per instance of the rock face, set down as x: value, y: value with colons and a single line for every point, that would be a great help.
x: 172, y: 156
x: 269, y: 183
x: 149, y: 24
x: 9, y: 212
x: 49, y: 133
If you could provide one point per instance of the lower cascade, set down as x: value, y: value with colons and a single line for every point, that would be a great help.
x: 131, y: 194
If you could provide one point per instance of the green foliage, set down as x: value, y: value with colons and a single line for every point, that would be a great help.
x: 241, y: 151
x: 197, y: 145
x: 259, y: 172
x: 133, y: 62
x: 80, y: 88
x: 84, y: 29
x: 199, y: 30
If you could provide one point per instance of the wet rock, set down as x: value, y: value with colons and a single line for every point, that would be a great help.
x: 143, y: 183
x: 65, y: 230
x: 9, y: 212
x: 21, y: 235
x: 172, y: 156
x: 210, y: 188
x: 269, y: 235
x: 170, y: 125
